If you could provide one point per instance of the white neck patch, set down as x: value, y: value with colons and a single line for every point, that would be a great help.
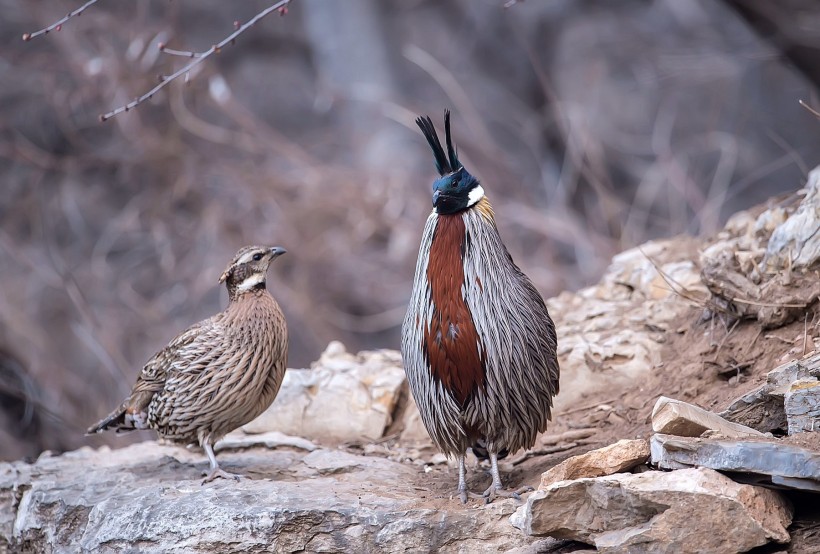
x: 251, y: 282
x: 475, y: 195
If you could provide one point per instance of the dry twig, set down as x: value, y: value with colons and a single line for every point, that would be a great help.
x: 57, y: 26
x: 548, y: 450
x: 805, y: 332
x: 679, y: 288
x: 198, y: 57
x: 587, y: 407
x: 811, y: 110
x: 726, y: 336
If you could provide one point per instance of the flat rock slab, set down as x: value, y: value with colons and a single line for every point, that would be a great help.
x: 763, y: 408
x: 690, y: 510
x: 300, y: 498
x: 674, y: 417
x: 621, y: 456
x: 785, y: 465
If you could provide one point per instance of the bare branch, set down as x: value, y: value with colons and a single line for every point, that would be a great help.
x: 198, y: 57
x: 59, y: 24
x: 814, y: 112
x: 184, y: 53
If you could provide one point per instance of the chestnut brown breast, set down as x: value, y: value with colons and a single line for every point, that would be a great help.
x: 451, y: 344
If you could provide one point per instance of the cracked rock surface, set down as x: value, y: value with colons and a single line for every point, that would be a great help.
x: 296, y: 497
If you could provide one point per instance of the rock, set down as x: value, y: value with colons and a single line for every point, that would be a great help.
x: 148, y: 498
x: 272, y: 439
x: 413, y: 430
x: 345, y: 397
x: 604, y: 342
x: 767, y: 459
x: 763, y: 408
x: 691, y: 510
x: 674, y: 417
x: 761, y: 268
x: 621, y: 456
x: 796, y: 241
x: 802, y: 405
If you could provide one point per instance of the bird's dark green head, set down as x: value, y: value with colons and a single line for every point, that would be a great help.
x: 456, y: 189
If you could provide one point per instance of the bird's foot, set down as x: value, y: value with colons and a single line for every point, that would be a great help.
x: 494, y: 492
x: 464, y: 494
x: 219, y: 473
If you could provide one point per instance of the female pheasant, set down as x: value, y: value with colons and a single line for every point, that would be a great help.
x: 218, y: 374
x: 479, y: 346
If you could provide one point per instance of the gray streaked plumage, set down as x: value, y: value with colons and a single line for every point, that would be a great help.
x: 218, y: 374
x: 479, y: 346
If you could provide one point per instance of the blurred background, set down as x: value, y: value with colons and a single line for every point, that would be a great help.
x: 593, y: 125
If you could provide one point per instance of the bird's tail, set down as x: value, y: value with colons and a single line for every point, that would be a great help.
x: 115, y: 420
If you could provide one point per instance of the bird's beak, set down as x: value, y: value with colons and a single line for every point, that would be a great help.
x: 436, y: 196
x: 277, y: 251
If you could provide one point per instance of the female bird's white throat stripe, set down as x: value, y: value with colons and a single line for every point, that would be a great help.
x: 251, y: 281
x: 475, y: 195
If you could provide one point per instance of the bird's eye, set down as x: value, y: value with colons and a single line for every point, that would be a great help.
x: 257, y: 257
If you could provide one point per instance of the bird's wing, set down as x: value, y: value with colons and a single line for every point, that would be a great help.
x: 513, y: 324
x: 542, y: 341
x: 184, y: 353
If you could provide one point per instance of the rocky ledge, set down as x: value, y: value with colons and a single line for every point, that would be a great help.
x: 297, y: 497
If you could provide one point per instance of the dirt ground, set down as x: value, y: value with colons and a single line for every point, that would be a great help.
x: 705, y: 362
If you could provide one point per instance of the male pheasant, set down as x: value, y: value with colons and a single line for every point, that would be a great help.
x: 218, y: 374
x: 478, y: 344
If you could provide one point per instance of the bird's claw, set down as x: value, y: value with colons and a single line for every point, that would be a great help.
x: 464, y: 494
x: 493, y: 492
x: 219, y: 473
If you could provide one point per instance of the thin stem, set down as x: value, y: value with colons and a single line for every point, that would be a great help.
x: 183, y: 53
x: 198, y: 58
x: 814, y: 112
x: 59, y: 25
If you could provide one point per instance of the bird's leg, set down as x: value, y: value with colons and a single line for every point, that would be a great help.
x: 496, y: 488
x: 463, y: 493
x: 216, y: 472
x: 462, y: 479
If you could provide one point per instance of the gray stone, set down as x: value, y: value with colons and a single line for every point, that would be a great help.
x: 271, y: 439
x: 796, y: 241
x: 686, y: 511
x: 761, y: 457
x: 802, y: 405
x: 148, y: 498
x: 363, y: 390
x: 674, y: 417
x: 763, y: 408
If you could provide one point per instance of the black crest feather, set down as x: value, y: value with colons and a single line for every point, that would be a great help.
x: 451, y: 152
x: 448, y: 163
